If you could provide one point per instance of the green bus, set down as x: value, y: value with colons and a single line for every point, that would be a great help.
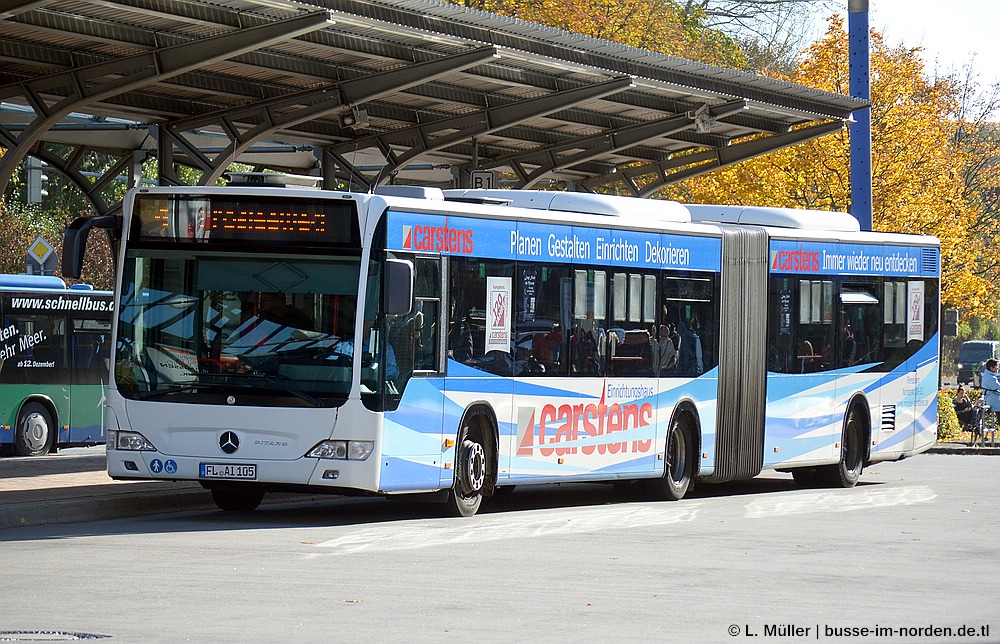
x: 55, y: 347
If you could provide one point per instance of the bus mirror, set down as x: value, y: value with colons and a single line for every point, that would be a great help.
x: 75, y: 241
x: 950, y: 322
x: 397, y: 289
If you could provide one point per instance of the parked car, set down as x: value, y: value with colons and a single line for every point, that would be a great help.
x: 971, y: 357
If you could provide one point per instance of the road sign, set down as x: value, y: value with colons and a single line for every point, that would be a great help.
x: 483, y: 180
x: 41, y: 258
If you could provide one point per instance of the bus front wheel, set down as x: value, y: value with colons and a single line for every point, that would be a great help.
x: 471, y: 472
x: 34, y: 431
x: 234, y: 499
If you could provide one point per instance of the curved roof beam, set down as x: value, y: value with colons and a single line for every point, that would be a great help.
x: 480, y: 122
x: 686, y: 166
x: 10, y: 8
x: 74, y: 89
x: 593, y: 147
x: 283, y: 112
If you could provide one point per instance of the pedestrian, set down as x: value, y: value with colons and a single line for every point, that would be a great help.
x: 991, y: 386
x: 963, y: 408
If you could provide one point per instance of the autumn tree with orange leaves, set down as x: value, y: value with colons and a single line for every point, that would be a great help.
x: 656, y: 25
x: 927, y: 176
x: 934, y: 169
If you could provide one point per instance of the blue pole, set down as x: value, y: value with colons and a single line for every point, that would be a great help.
x: 861, y: 129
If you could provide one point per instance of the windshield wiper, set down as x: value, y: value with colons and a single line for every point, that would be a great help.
x: 315, y: 402
x: 176, y: 389
x: 233, y: 380
x: 194, y: 386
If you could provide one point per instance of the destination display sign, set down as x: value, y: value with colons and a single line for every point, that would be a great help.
x: 222, y: 218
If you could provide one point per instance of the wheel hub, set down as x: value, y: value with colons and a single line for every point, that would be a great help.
x: 36, y: 431
x: 474, y: 471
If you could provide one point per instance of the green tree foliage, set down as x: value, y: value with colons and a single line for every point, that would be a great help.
x: 21, y: 225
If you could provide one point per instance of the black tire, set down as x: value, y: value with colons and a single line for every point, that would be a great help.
x: 33, y: 433
x: 678, y: 467
x: 472, y: 469
x: 234, y: 499
x: 852, y: 454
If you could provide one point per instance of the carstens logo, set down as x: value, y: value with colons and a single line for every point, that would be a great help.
x: 500, y: 308
x: 584, y: 428
x: 442, y: 239
x: 800, y: 261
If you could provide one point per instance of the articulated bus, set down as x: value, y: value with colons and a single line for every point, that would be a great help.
x: 55, y: 353
x: 459, y: 343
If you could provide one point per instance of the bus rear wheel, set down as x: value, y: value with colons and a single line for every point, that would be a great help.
x: 33, y: 434
x: 472, y: 468
x: 235, y: 499
x: 852, y: 459
x: 678, y: 470
x: 852, y: 454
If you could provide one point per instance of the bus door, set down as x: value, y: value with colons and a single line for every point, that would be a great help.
x: 858, y: 347
x: 479, y: 349
x: 905, y: 329
x: 547, y: 349
x: 921, y: 379
x: 819, y: 416
x: 89, y: 347
x: 415, y: 429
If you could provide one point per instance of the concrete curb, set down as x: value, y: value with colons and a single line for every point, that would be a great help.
x: 964, y: 450
x: 99, y: 508
x: 122, y: 504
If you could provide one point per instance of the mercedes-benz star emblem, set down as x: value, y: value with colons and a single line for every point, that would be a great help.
x: 229, y: 442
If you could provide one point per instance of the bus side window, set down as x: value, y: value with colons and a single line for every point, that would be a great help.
x: 467, y: 290
x: 781, y: 351
x: 414, y: 337
x: 815, y: 327
x: 689, y: 320
x: 632, y: 349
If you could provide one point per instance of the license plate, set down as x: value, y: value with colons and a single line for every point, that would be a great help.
x: 226, y: 471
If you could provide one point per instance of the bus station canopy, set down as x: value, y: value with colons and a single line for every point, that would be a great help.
x: 369, y: 92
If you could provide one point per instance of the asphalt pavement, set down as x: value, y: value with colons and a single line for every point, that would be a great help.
x: 73, y: 487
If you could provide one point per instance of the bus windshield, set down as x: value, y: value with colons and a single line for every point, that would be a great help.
x: 218, y: 327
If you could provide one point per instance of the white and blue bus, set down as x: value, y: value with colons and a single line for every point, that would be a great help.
x: 55, y: 351
x: 460, y: 342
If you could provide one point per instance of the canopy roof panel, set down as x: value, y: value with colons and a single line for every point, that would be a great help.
x: 378, y: 90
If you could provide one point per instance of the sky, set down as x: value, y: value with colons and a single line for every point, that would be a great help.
x: 950, y: 31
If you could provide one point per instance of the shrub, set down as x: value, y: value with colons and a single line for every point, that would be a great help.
x: 948, y: 427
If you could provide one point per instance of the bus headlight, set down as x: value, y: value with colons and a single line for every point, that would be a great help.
x: 359, y: 450
x: 343, y: 450
x: 129, y: 442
